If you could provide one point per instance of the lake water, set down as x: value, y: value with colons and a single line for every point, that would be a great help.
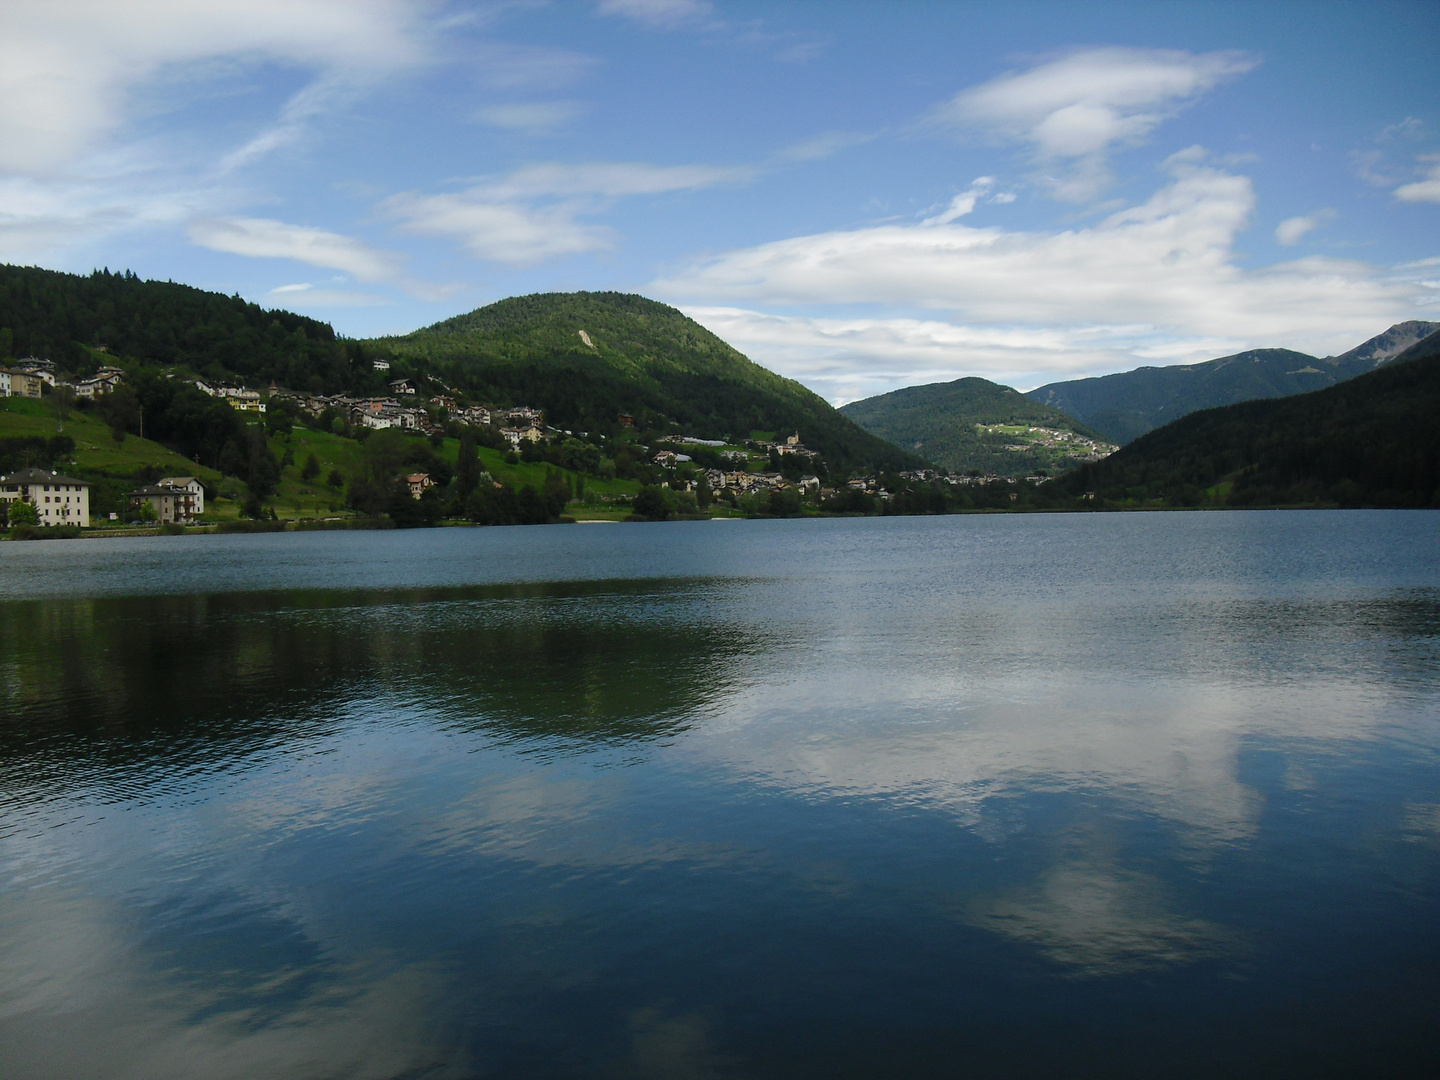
x: 1144, y: 795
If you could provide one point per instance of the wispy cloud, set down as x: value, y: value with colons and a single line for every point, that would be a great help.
x: 305, y: 297
x: 1073, y: 110
x: 265, y: 238
x: 65, y: 67
x: 658, y: 13
x: 533, y: 214
x: 1292, y: 230
x: 532, y: 116
x: 506, y: 65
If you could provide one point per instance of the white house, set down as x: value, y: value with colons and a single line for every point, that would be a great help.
x: 58, y: 500
x: 102, y: 382
x: 170, y: 503
x: 188, y: 484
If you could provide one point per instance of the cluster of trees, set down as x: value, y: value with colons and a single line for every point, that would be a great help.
x: 35, y: 451
x: 465, y: 492
x: 204, y: 429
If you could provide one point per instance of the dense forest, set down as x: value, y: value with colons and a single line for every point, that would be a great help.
x: 1371, y: 441
x: 75, y: 321
x: 642, y: 358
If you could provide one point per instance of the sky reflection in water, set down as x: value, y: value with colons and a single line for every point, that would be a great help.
x: 1109, y: 795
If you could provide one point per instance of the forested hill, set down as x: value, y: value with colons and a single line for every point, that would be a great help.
x: 636, y: 356
x: 1130, y: 403
x: 70, y: 318
x: 961, y: 425
x: 1370, y: 441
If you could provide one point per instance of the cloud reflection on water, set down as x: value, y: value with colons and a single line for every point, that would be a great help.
x: 471, y: 806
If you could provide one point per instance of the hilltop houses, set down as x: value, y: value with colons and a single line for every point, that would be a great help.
x: 99, y: 384
x: 15, y: 382
x: 58, y: 500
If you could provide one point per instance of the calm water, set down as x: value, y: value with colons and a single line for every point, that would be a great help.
x: 1091, y: 795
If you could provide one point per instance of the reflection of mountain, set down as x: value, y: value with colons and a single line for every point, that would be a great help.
x: 192, y: 682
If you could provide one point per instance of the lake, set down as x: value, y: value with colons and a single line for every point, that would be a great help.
x: 1077, y: 795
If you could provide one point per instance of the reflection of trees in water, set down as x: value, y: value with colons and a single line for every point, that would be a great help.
x: 194, y: 682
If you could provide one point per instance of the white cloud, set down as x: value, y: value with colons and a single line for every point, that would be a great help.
x: 66, y: 65
x: 1073, y: 110
x: 1427, y: 190
x: 1156, y: 282
x: 532, y: 214
x: 657, y: 12
x: 264, y: 238
x: 1292, y: 230
x: 496, y: 231
x: 845, y: 359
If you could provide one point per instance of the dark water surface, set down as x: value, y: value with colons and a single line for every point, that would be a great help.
x: 1089, y: 795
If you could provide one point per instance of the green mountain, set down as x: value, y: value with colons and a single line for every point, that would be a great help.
x: 1368, y: 441
x: 977, y: 424
x: 1126, y: 405
x: 587, y: 357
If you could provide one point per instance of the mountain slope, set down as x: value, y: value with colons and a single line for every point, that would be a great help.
x: 1128, y: 404
x: 1368, y: 441
x: 1427, y: 346
x: 643, y: 358
x: 958, y: 425
x: 1383, y: 348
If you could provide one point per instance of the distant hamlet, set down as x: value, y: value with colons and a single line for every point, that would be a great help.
x: 135, y: 405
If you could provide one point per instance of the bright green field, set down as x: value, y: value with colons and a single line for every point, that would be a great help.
x: 296, y: 498
x: 95, y: 449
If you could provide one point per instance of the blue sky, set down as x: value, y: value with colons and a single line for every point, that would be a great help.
x: 860, y: 196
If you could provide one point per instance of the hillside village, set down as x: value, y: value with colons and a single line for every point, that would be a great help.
x: 603, y: 474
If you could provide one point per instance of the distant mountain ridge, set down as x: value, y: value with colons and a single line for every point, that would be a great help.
x: 959, y: 426
x: 1367, y: 441
x: 1390, y: 345
x: 1128, y: 404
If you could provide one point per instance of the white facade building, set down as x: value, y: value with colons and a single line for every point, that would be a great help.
x: 58, y: 500
x: 190, y: 486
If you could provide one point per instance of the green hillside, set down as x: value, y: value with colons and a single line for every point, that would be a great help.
x: 645, y: 359
x: 112, y: 466
x: 977, y: 424
x: 1369, y: 441
x: 1126, y: 405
